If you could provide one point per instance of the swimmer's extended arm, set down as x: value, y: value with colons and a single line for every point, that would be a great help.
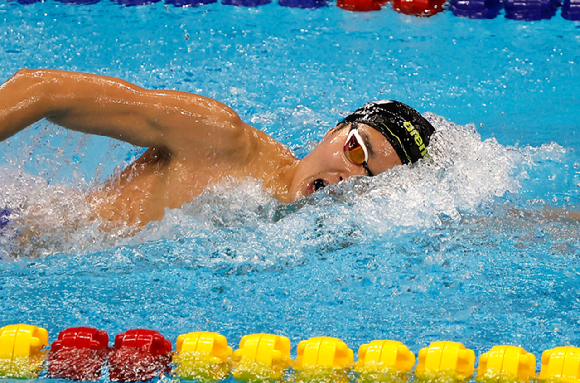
x: 186, y: 124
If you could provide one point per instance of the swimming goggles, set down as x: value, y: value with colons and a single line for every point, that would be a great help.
x: 356, y: 151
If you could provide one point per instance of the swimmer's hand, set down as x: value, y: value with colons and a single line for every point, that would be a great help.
x: 187, y: 125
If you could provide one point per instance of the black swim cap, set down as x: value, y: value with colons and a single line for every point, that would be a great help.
x: 402, y: 125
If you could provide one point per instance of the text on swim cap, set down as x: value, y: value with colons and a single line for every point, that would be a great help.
x: 418, y: 140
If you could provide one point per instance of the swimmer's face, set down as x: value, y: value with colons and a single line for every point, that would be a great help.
x: 328, y: 164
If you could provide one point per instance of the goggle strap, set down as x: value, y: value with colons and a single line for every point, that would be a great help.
x: 366, y: 167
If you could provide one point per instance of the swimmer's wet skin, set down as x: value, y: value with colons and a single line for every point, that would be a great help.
x: 195, y: 141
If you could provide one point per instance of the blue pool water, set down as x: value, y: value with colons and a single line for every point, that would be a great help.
x: 458, y: 248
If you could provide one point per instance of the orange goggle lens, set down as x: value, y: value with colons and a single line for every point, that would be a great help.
x: 354, y: 151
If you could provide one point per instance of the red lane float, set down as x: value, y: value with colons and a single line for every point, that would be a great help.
x: 361, y: 5
x: 79, y: 353
x: 418, y: 7
x: 139, y: 355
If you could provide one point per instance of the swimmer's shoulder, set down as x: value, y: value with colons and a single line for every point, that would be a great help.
x: 217, y: 133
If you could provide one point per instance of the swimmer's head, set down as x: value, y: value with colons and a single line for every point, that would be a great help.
x: 405, y: 129
x: 373, y: 139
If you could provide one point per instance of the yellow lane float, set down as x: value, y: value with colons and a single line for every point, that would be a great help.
x: 445, y: 362
x: 503, y: 364
x: 384, y: 361
x: 323, y: 359
x: 202, y: 356
x: 561, y: 364
x: 21, y: 354
x: 261, y: 358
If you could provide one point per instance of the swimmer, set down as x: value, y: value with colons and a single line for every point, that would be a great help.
x: 194, y: 142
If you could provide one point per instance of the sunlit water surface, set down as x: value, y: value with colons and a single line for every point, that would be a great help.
x: 465, y: 246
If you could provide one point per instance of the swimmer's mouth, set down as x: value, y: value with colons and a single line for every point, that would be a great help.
x: 316, y: 185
